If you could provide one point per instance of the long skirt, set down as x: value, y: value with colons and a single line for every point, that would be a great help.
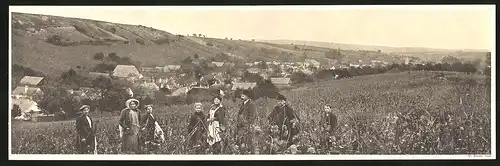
x: 130, y: 142
x: 214, y: 133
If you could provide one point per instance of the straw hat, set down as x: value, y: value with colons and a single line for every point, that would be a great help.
x: 127, y: 103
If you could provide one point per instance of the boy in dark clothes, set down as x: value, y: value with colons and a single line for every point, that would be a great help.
x: 329, y: 124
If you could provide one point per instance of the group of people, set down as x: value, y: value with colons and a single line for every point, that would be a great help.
x: 203, y: 129
x: 134, y: 129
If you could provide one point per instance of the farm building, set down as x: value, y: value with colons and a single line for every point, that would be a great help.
x: 353, y: 65
x: 27, y: 106
x: 281, y: 81
x: 148, y: 69
x: 253, y: 70
x: 218, y: 64
x: 95, y: 75
x: 160, y: 69
x: 172, y: 68
x: 26, y: 92
x: 31, y: 81
x: 127, y: 72
x: 243, y: 85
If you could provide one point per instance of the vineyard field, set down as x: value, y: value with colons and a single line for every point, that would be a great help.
x: 391, y: 113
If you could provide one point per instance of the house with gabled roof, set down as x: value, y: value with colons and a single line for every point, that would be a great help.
x: 172, y: 68
x: 159, y: 69
x: 243, y: 85
x: 26, y: 92
x: 31, y: 81
x: 147, y: 69
x: 126, y: 72
x: 27, y: 107
x: 254, y: 70
x: 218, y: 64
x: 281, y: 81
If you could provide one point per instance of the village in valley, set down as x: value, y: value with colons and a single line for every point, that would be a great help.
x: 81, y: 85
x: 224, y: 78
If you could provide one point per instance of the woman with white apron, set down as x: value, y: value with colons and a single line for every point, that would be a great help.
x: 216, y: 125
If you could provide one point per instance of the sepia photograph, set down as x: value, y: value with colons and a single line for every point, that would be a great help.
x: 252, y: 82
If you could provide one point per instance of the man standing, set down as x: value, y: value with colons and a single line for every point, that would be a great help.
x: 85, y: 131
x: 245, y: 122
x: 285, y: 119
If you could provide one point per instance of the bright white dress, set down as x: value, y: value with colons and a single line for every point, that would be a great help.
x: 213, y: 128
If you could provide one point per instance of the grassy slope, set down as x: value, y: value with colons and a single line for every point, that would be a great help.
x: 31, y: 50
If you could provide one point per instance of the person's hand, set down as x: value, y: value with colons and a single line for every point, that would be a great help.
x: 83, y: 139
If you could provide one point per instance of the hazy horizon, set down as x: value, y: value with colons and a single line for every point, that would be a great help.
x: 440, y: 27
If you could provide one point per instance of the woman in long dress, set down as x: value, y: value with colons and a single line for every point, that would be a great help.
x: 129, y: 121
x: 197, y: 129
x: 216, y: 125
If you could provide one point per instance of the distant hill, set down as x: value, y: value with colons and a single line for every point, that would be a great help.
x: 53, y: 44
x: 367, y: 47
x: 426, y: 54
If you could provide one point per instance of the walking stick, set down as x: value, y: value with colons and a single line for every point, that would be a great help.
x: 95, y: 138
x: 95, y: 145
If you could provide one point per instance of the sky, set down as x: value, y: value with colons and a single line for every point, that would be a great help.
x: 449, y: 27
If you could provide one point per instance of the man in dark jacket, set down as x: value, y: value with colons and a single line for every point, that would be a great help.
x: 285, y: 118
x: 85, y: 131
x: 245, y: 122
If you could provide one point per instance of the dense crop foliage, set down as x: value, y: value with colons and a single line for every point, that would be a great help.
x: 397, y: 113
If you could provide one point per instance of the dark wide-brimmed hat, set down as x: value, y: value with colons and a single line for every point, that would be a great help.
x: 281, y: 97
x: 246, y: 93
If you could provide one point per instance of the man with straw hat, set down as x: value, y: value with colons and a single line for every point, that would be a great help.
x: 85, y: 131
x: 130, y: 124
